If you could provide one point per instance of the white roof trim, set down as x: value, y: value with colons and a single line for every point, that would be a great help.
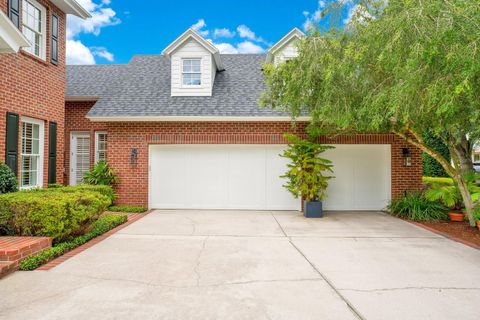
x: 192, y: 34
x: 72, y: 7
x: 192, y: 119
x: 294, y: 33
x: 11, y: 39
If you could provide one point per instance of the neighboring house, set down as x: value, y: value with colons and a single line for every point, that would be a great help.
x: 184, y: 130
x: 32, y: 87
x: 476, y: 153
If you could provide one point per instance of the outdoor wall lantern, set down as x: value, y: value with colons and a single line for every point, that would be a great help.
x: 407, y: 157
x: 133, y: 157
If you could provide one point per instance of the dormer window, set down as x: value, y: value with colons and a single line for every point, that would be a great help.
x: 192, y: 74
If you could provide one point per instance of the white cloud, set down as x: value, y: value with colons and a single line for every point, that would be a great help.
x: 78, y: 53
x: 358, y: 13
x: 198, y: 26
x: 245, y: 32
x: 223, y: 33
x: 312, y: 19
x: 102, y: 16
x: 103, y: 53
x: 249, y: 47
x: 226, y: 48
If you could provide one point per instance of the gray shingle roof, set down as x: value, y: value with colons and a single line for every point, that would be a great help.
x: 142, y: 88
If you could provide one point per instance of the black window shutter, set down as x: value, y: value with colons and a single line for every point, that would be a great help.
x: 11, y: 142
x: 14, y: 12
x: 54, y: 45
x: 52, y: 152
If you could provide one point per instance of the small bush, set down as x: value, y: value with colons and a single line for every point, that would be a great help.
x: 437, y: 180
x: 415, y: 207
x: 8, y: 181
x: 105, y: 190
x: 103, y: 224
x: 57, y: 213
x: 129, y: 209
x: 101, y: 174
x: 55, y: 186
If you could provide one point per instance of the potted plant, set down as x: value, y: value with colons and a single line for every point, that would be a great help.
x: 451, y: 197
x: 306, y: 175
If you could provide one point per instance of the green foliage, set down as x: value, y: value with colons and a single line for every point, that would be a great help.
x: 99, y: 227
x: 306, y: 171
x: 431, y: 167
x: 8, y: 181
x: 415, y: 207
x: 55, y: 186
x: 407, y: 67
x: 437, y: 180
x: 101, y: 174
x: 103, y: 189
x: 450, y: 195
x: 57, y: 213
x: 129, y: 209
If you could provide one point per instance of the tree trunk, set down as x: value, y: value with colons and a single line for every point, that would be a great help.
x: 462, y: 159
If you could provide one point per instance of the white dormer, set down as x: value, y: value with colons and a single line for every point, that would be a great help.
x: 285, y: 49
x: 194, y: 63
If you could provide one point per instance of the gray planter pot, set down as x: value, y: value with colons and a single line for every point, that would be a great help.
x: 312, y: 209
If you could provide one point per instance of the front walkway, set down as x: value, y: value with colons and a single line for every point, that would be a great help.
x: 256, y: 265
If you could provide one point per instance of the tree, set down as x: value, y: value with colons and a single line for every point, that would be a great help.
x: 431, y: 167
x: 402, y: 66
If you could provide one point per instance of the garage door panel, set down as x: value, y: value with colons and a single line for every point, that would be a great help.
x: 206, y: 178
x: 340, y: 192
x: 277, y: 197
x: 169, y: 166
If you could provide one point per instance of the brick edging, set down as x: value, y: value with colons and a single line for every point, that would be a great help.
x: 55, y: 262
x: 445, y: 235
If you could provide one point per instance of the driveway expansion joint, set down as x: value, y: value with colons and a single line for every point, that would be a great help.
x: 408, y: 288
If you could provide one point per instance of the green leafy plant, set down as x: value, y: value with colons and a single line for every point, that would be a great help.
x: 101, y: 174
x: 129, y: 209
x: 103, y: 224
x: 450, y: 195
x: 431, y: 167
x: 306, y: 176
x: 428, y: 181
x: 8, y: 181
x: 414, y: 206
x: 58, y: 213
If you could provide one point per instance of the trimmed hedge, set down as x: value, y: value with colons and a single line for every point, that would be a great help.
x: 129, y: 209
x: 105, y: 190
x: 58, y: 213
x: 102, y: 225
x: 437, y: 180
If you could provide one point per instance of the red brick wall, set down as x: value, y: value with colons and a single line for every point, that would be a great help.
x: 133, y: 187
x: 35, y: 88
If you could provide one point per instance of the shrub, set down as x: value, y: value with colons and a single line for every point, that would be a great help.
x: 432, y: 167
x: 54, y: 213
x: 105, y: 190
x: 101, y: 174
x: 415, y: 207
x: 55, y: 186
x: 8, y: 181
x: 437, y: 180
x: 99, y: 227
x: 130, y: 209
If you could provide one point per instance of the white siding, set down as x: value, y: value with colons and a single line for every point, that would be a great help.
x: 289, y: 50
x: 192, y: 49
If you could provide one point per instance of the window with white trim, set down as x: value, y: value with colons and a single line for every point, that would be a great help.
x: 31, y: 156
x: 100, y: 146
x: 191, y: 72
x: 34, y: 27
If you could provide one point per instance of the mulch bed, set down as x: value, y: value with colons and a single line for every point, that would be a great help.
x: 458, y: 231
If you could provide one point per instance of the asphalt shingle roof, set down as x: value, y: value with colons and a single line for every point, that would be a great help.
x: 142, y: 88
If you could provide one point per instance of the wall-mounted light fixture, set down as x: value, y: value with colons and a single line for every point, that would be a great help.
x: 407, y: 157
x: 133, y: 157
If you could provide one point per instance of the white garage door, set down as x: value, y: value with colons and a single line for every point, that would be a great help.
x: 247, y: 177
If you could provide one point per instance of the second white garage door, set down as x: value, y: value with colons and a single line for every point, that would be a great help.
x: 248, y: 177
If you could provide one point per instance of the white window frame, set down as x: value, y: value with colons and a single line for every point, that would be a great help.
x: 41, y: 144
x: 184, y: 73
x: 43, y: 33
x: 97, y: 136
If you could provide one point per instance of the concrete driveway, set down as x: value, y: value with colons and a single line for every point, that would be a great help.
x: 256, y: 265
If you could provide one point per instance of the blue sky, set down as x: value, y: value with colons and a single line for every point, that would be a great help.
x: 120, y: 29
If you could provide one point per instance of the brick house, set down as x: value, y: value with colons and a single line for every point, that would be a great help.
x: 32, y: 87
x: 184, y: 130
